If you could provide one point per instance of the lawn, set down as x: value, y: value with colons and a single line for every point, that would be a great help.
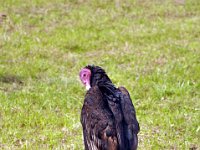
x: 150, y: 47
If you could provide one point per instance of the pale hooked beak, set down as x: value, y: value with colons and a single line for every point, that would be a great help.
x: 88, y: 86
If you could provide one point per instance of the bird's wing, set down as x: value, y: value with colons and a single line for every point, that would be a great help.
x: 112, y: 97
x: 98, y: 126
x: 131, y: 124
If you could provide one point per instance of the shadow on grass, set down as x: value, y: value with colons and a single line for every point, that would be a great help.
x: 11, y: 79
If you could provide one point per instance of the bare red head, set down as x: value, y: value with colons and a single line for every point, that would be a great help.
x: 85, y: 75
x: 93, y: 75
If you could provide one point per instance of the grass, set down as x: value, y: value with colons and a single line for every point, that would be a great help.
x: 150, y: 47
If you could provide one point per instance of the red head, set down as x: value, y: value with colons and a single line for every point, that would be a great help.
x: 85, y: 75
x: 93, y: 75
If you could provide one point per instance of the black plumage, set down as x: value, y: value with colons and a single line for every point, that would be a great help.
x: 108, y: 116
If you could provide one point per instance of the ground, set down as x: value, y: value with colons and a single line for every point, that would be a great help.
x: 150, y: 47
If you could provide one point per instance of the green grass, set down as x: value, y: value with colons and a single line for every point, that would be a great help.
x: 150, y: 47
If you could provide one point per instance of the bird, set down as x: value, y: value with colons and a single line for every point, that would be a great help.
x: 108, y: 116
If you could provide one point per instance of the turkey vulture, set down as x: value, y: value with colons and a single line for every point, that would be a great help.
x: 108, y: 116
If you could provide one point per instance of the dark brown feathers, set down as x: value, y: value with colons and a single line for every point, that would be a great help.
x: 108, y: 116
x: 98, y: 123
